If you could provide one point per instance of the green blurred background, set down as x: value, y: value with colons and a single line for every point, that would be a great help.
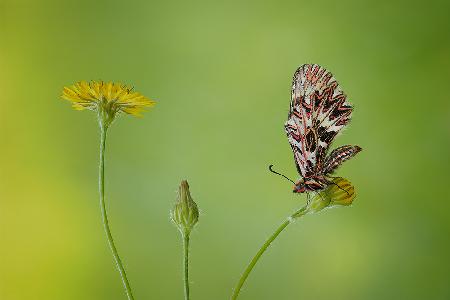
x: 221, y: 73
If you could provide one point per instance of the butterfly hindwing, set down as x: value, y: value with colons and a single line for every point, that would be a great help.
x: 338, y: 156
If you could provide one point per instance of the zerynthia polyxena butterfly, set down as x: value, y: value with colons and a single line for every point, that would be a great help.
x: 318, y: 112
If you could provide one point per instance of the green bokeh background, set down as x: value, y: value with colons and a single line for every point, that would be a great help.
x: 221, y: 73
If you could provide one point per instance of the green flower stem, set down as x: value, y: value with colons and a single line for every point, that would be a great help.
x: 264, y: 247
x: 186, y: 265
x: 101, y: 186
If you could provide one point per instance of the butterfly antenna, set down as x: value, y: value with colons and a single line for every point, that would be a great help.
x: 275, y: 172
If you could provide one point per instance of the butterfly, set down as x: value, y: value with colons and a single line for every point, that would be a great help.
x: 318, y: 112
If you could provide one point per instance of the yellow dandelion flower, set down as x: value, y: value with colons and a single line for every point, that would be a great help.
x: 340, y: 192
x: 108, y: 99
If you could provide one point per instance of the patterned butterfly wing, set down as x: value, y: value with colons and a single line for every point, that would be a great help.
x: 338, y: 156
x: 317, y: 113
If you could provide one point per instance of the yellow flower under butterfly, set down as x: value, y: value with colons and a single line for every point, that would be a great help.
x: 340, y: 192
x: 108, y: 99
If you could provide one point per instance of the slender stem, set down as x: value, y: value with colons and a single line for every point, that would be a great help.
x: 263, y: 249
x: 186, y: 265
x: 101, y: 186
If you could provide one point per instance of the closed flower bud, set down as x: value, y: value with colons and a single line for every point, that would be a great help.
x: 338, y: 193
x: 185, y: 212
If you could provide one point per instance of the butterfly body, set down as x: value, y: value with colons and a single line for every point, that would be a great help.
x: 309, y: 184
x: 318, y: 112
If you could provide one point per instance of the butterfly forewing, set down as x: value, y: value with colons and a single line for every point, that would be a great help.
x: 317, y: 113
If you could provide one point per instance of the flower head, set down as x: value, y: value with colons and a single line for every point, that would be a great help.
x: 340, y: 192
x: 108, y: 99
x: 185, y: 212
